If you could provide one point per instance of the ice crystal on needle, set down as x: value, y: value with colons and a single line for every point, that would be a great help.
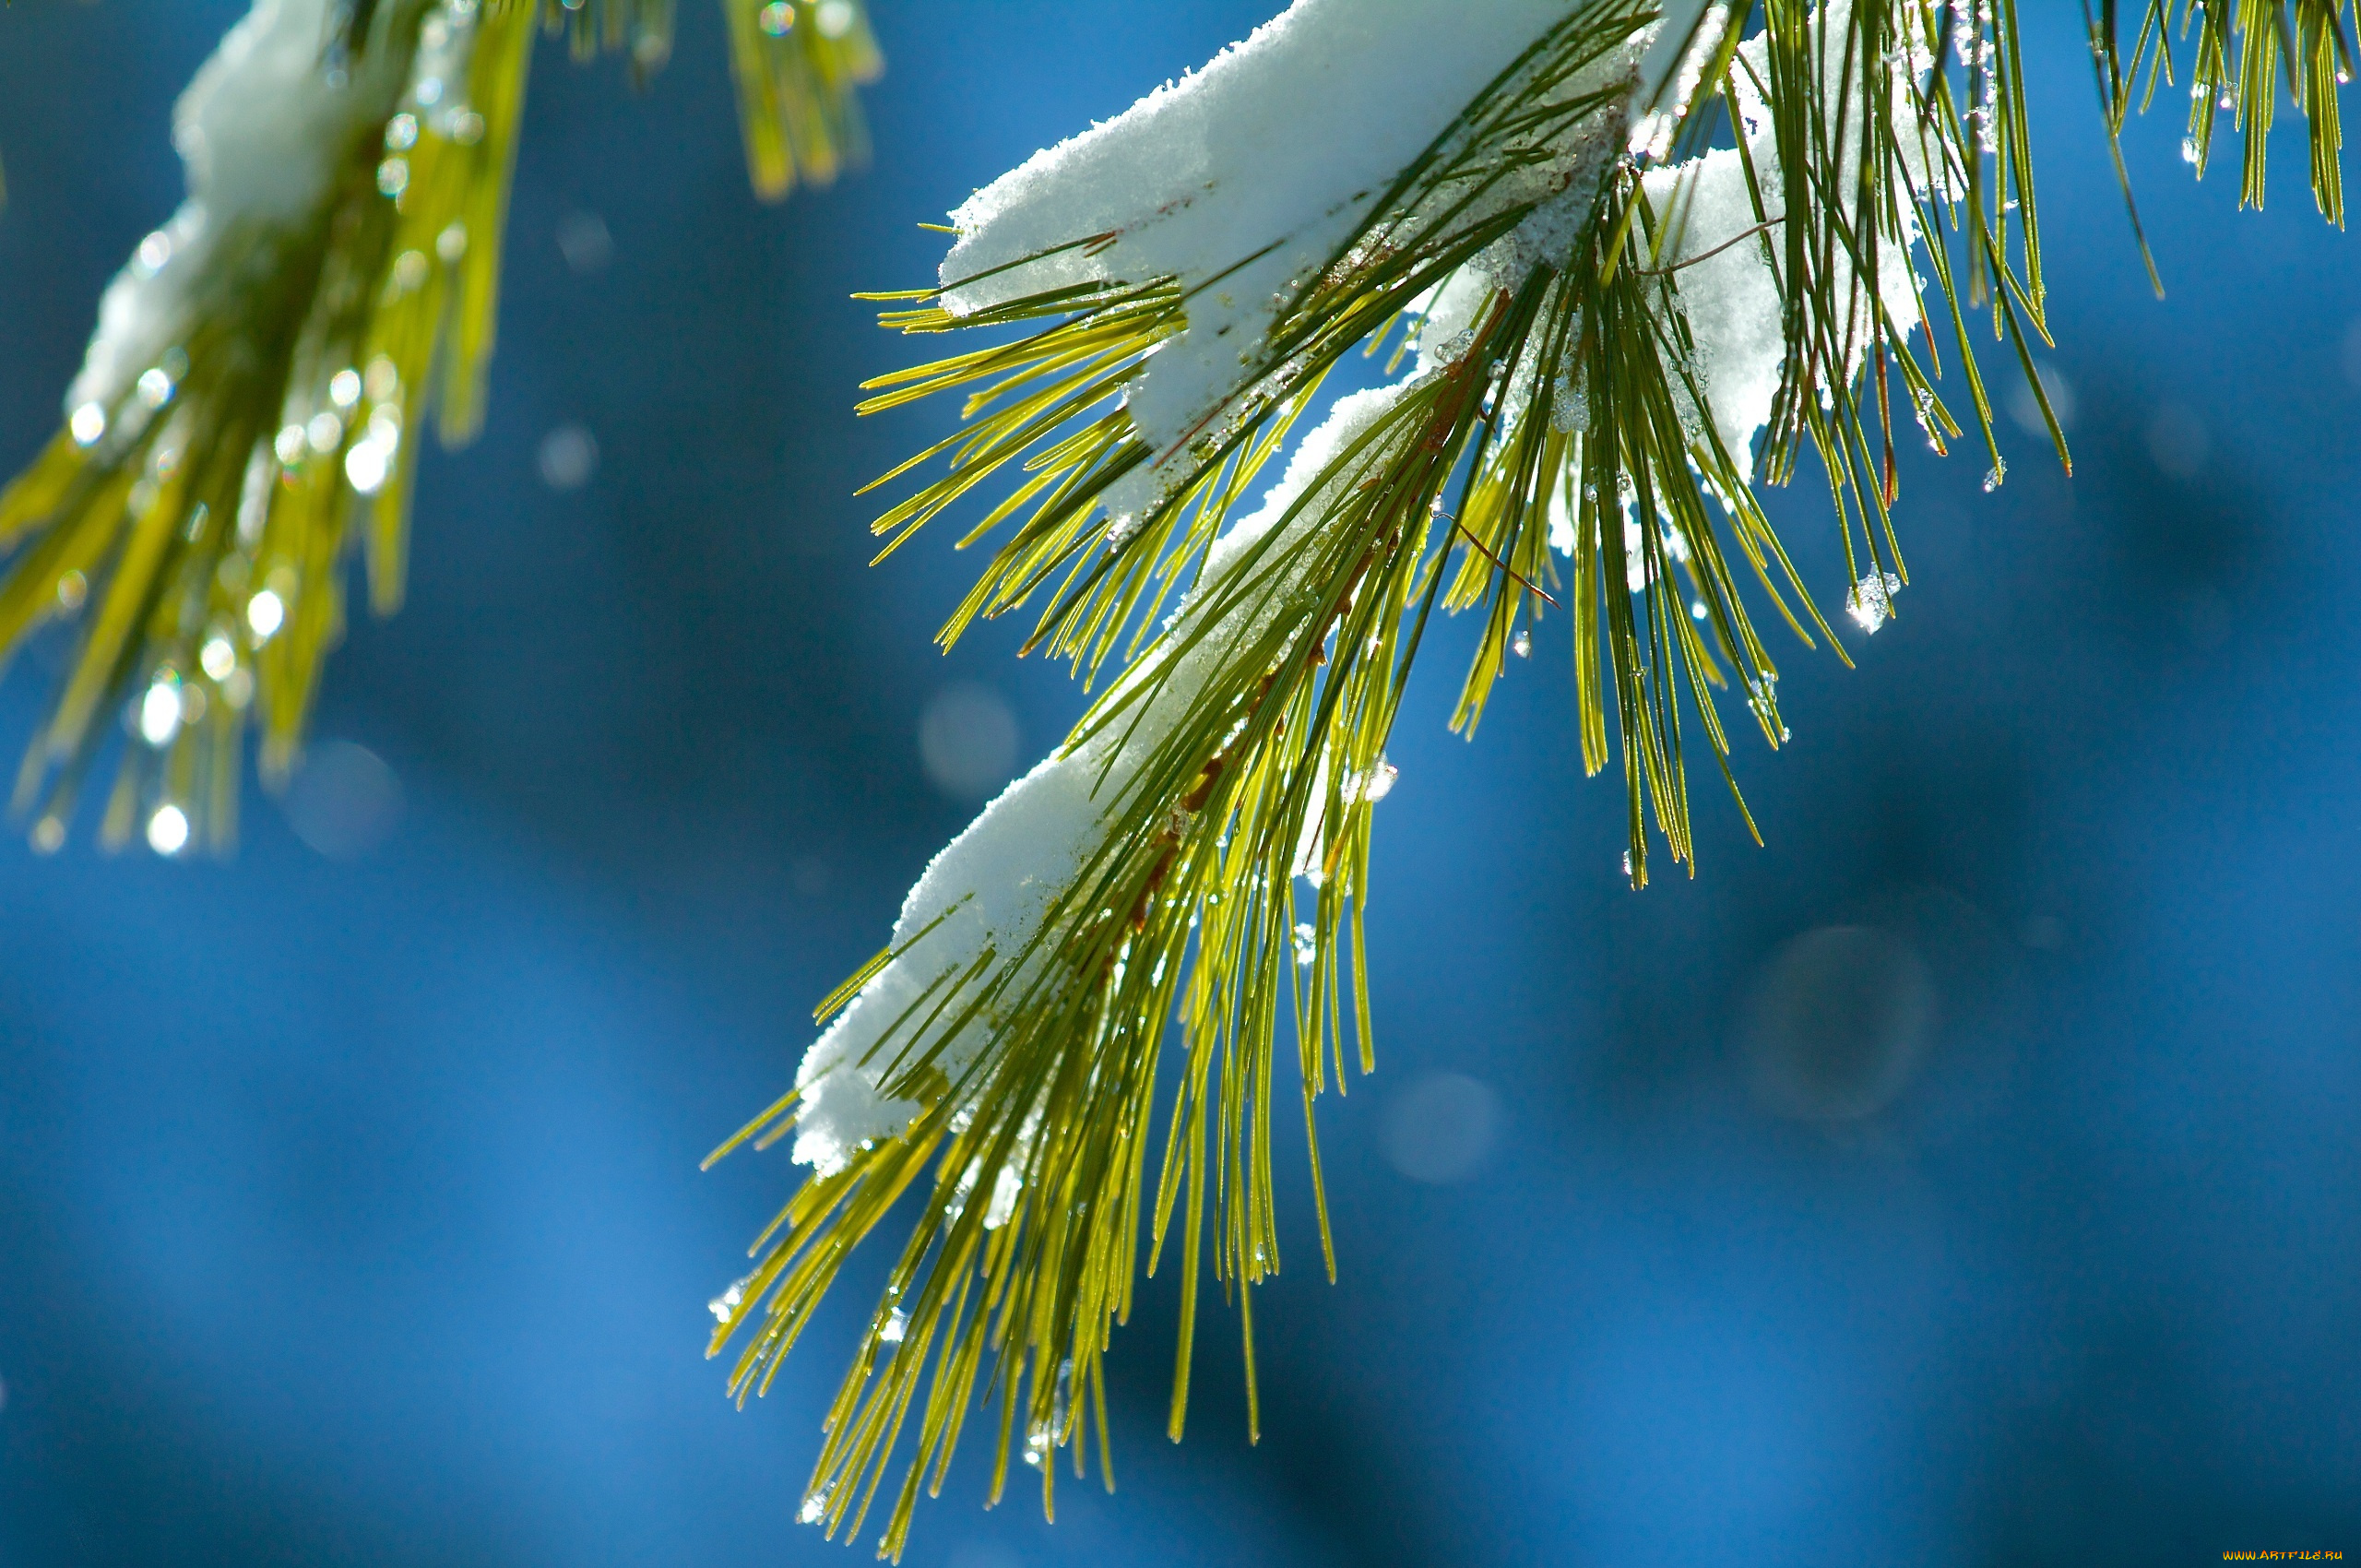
x: 1870, y: 600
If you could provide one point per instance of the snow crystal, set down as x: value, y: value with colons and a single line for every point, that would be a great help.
x: 1374, y: 785
x: 1870, y: 600
x: 1008, y: 1185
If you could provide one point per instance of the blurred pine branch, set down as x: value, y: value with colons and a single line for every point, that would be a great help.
x: 253, y: 404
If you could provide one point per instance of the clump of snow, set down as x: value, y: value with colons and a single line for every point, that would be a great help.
x: 1243, y: 178
x: 994, y: 884
x: 1728, y: 292
x: 263, y: 130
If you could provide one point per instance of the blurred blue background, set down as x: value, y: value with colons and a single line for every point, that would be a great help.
x: 1967, y: 1177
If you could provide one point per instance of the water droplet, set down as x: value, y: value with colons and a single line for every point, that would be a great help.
x: 835, y: 18
x: 1994, y: 476
x: 2188, y: 150
x: 392, y: 176
x: 725, y: 1306
x: 264, y: 615
x: 87, y: 423
x: 1522, y: 645
x: 218, y: 658
x: 381, y: 380
x: 325, y: 433
x: 155, y: 389
x: 72, y: 590
x: 401, y: 132
x: 344, y: 388
x: 160, y: 710
x: 288, y: 445
x: 49, y: 836
x: 897, y: 1324
x: 168, y: 830
x: 778, y: 18
x: 365, y: 467
x: 451, y: 242
x: 154, y: 251
x: 1696, y: 609
x: 410, y: 269
x: 1626, y: 862
x: 814, y: 1506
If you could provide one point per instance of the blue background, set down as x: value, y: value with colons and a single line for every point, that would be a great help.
x: 349, y: 1212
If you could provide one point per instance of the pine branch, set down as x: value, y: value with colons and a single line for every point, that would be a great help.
x: 2240, y: 51
x: 1630, y: 249
x: 251, y: 407
x: 797, y: 63
x: 251, y: 396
